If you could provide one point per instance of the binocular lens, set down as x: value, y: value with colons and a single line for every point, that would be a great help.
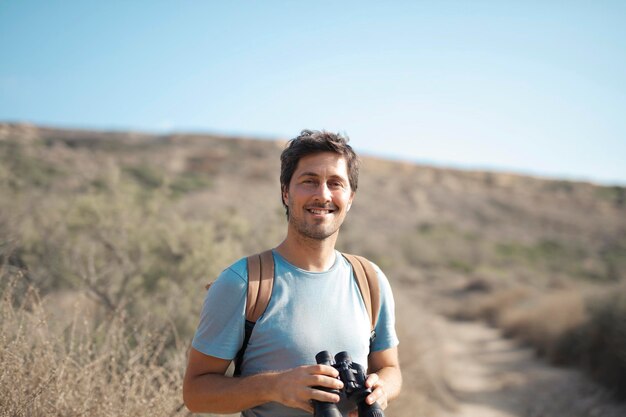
x: 324, y: 358
x: 342, y: 357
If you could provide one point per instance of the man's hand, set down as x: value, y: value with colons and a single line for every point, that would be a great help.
x: 295, y: 387
x: 385, y: 379
x: 378, y: 394
x: 207, y: 390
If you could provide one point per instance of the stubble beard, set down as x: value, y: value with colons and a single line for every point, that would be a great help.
x: 312, y: 231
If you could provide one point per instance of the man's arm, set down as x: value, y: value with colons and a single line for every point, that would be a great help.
x: 385, y: 378
x: 207, y: 390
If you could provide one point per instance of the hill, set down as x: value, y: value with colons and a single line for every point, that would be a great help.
x: 494, y: 225
x: 137, y: 223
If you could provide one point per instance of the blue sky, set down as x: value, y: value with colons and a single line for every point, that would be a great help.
x: 532, y: 87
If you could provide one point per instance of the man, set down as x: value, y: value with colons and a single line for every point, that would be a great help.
x: 315, y: 304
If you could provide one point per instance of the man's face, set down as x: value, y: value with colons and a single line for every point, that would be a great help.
x: 319, y: 195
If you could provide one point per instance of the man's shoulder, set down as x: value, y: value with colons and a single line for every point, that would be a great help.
x: 239, y: 269
x: 230, y: 282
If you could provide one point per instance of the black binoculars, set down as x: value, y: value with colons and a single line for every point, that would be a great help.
x: 353, y: 377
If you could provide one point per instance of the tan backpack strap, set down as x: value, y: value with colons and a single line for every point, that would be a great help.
x: 260, y: 283
x: 367, y: 280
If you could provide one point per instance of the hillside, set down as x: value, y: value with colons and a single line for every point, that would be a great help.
x: 139, y: 222
x: 496, y: 225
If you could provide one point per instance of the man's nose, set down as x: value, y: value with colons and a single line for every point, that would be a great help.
x: 323, y: 192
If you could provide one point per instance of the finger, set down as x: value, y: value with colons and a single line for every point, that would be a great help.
x: 382, y: 402
x: 353, y: 413
x: 372, y: 380
x: 319, y: 395
x: 325, y: 381
x: 379, y: 395
x: 323, y: 370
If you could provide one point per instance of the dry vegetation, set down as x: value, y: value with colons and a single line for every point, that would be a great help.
x: 73, y: 366
x: 107, y: 239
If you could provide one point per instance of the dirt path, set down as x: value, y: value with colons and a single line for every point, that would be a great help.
x: 468, y: 369
x: 494, y: 377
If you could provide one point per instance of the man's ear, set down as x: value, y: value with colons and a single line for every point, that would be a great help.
x: 285, y: 195
x: 350, y: 201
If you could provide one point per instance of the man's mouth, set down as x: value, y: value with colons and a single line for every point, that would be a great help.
x: 320, y: 211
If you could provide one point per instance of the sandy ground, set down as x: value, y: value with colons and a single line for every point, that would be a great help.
x: 491, y: 376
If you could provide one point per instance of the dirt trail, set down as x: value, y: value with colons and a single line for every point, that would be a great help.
x: 468, y: 369
x: 491, y: 376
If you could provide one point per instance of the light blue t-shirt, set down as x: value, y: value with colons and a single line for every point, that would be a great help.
x: 308, y: 312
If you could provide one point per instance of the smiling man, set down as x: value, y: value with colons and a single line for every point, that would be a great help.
x: 319, y: 199
x: 315, y: 305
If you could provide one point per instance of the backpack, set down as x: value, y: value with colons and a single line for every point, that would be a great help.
x: 261, y: 281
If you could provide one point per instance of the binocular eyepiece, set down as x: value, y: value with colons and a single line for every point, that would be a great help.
x: 353, y: 377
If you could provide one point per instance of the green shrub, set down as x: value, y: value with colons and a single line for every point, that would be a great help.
x: 26, y: 168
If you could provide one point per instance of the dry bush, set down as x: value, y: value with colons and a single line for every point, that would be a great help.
x: 600, y: 344
x: 543, y: 321
x: 127, y: 248
x: 110, y: 369
x: 491, y: 306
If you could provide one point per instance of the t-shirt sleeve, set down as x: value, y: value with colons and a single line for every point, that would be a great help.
x: 386, y: 336
x: 222, y: 321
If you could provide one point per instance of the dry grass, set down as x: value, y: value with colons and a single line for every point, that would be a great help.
x: 543, y: 321
x: 491, y: 307
x: 75, y: 367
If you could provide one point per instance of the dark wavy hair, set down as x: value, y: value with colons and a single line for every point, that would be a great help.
x: 311, y: 142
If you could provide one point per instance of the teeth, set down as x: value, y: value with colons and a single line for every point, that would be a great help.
x: 317, y: 211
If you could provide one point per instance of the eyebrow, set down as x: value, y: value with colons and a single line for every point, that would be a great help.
x: 308, y: 174
x: 314, y: 174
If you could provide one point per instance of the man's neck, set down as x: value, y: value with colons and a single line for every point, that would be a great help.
x: 308, y: 254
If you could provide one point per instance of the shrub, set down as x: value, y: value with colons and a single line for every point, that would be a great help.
x: 543, y: 321
x: 604, y: 341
